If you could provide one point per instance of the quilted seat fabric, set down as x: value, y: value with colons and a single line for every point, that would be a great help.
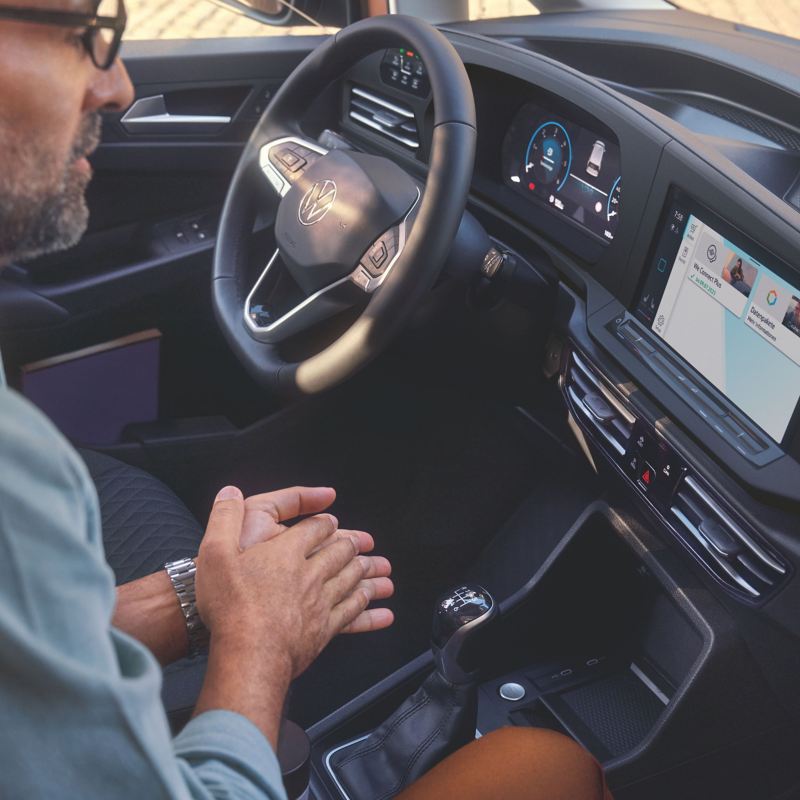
x: 144, y: 523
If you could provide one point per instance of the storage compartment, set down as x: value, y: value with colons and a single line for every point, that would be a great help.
x: 597, y: 646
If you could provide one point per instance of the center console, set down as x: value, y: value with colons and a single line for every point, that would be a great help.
x: 603, y: 645
x: 690, y: 389
x: 715, y: 321
x: 615, y: 640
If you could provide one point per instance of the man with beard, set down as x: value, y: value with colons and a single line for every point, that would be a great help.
x: 80, y: 712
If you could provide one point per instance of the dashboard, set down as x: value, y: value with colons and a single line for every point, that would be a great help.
x: 684, y: 288
x: 696, y: 263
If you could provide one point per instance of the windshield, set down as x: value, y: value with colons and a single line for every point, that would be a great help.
x: 156, y: 19
x: 777, y: 16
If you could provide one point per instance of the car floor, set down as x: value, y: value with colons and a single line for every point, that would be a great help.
x: 433, y: 475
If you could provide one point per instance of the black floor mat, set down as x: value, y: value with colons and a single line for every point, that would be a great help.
x: 433, y: 478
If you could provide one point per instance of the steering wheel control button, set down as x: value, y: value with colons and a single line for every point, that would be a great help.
x: 512, y: 692
x: 362, y: 279
x: 291, y: 159
x: 288, y: 158
x: 285, y: 160
x: 288, y: 162
x: 379, y: 255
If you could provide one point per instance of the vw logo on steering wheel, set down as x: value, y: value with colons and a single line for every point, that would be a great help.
x: 317, y: 202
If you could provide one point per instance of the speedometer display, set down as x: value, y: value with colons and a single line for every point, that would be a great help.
x: 573, y: 170
x: 549, y: 155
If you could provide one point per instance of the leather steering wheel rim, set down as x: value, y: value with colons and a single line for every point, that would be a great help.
x: 439, y: 212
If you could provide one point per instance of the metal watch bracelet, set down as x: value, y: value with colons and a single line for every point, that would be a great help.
x: 181, y: 573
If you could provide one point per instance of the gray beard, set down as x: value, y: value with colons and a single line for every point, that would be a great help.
x: 42, y: 211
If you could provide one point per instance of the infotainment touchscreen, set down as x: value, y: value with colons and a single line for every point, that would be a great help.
x: 726, y: 312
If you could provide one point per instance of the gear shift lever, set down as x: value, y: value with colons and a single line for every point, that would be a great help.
x: 458, y: 616
x: 435, y: 721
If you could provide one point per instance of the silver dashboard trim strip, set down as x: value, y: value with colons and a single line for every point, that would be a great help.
x: 378, y: 127
x: 720, y: 562
x: 746, y: 540
x: 382, y: 101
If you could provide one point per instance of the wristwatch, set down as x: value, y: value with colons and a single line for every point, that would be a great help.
x: 181, y: 573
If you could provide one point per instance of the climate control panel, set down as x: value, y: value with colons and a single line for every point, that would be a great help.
x: 724, y: 544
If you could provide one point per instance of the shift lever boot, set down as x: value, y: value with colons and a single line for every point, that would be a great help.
x: 434, y: 722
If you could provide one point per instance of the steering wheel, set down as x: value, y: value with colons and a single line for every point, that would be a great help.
x: 353, y: 230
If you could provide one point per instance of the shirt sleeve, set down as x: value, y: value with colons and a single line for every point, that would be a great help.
x: 80, y: 705
x: 223, y: 755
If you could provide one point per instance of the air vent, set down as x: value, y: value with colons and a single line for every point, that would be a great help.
x: 733, y: 555
x: 391, y: 118
x: 597, y: 405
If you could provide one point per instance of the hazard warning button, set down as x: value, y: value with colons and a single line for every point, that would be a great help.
x: 647, y: 476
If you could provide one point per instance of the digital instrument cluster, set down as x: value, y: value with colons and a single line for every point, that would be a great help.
x: 574, y: 170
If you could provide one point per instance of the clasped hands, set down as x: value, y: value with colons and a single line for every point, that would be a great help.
x: 297, y: 585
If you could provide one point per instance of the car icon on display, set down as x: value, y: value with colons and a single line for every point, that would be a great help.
x: 596, y: 159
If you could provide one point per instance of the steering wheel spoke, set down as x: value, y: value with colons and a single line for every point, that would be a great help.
x: 276, y: 310
x: 283, y: 161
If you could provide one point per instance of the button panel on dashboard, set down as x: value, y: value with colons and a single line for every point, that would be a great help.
x: 724, y: 545
x: 725, y: 421
x: 653, y: 465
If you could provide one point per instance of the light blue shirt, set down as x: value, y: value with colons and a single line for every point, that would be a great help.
x: 80, y: 708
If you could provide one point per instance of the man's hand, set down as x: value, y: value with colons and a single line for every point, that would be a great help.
x: 271, y: 608
x: 264, y: 518
x: 301, y: 583
x: 146, y: 608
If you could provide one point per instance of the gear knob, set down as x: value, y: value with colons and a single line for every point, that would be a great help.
x: 459, y: 614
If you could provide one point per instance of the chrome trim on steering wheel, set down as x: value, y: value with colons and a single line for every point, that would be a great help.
x: 273, y: 332
x: 279, y: 183
x: 290, y: 323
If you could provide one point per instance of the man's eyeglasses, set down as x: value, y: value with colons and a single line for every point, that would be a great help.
x: 104, y: 28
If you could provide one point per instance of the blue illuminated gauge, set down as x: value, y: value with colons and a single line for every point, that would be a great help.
x: 613, y: 207
x: 549, y: 156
